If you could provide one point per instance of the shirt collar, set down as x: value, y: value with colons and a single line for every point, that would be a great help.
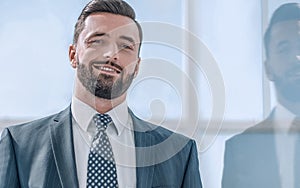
x: 283, y: 118
x: 83, y: 114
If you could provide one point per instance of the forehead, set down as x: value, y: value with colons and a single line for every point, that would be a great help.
x: 286, y: 30
x: 110, y: 23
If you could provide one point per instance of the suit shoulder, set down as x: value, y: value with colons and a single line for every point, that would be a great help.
x: 265, y: 126
x: 161, y: 134
x: 252, y: 134
x: 141, y: 125
x: 33, y: 127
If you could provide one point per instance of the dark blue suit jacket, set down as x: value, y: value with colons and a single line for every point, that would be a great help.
x: 41, y: 154
x: 251, y: 159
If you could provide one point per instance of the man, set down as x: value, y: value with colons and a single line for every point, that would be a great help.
x: 267, y: 155
x: 98, y: 141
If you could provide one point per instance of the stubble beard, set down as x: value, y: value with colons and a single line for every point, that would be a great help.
x: 290, y: 90
x: 103, y: 86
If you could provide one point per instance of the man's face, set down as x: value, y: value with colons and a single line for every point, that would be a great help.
x: 283, y: 63
x: 106, y: 54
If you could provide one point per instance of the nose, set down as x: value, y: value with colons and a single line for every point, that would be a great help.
x: 111, y: 52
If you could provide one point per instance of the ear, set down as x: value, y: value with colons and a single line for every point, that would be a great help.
x: 269, y: 70
x: 72, y: 55
x: 137, y: 67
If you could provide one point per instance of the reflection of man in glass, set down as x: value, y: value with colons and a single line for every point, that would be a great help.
x: 266, y: 155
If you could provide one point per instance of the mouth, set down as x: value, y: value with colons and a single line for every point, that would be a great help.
x: 107, y: 69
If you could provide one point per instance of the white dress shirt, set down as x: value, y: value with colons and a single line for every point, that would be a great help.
x: 1, y: 130
x: 121, y: 136
x: 285, y: 145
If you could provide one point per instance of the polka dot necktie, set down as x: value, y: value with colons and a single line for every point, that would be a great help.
x: 102, y: 171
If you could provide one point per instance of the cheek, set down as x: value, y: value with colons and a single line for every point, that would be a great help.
x: 88, y: 55
x: 130, y: 67
x: 279, y: 66
x: 128, y: 60
x: 280, y: 70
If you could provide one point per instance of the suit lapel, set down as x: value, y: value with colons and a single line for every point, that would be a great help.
x: 62, y: 144
x: 145, y: 159
x: 265, y: 154
x: 268, y: 150
x: 272, y: 151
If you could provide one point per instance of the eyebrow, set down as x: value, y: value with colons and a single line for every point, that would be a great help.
x: 130, y: 39
x: 282, y: 43
x: 96, y: 35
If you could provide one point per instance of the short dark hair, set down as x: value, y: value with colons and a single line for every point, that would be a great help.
x: 118, y: 7
x: 286, y: 12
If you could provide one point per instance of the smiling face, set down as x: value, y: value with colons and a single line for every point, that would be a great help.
x: 106, y: 55
x: 283, y: 63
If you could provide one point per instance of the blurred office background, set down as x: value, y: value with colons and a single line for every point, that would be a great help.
x: 202, y: 70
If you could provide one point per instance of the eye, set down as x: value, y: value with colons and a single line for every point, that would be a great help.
x: 283, y: 48
x: 96, y: 42
x: 126, y: 46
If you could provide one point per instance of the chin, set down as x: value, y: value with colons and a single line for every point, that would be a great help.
x: 291, y: 93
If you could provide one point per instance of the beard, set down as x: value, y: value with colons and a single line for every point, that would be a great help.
x: 102, y: 85
x: 289, y: 89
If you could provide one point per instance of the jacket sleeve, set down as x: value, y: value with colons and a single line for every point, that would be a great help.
x: 8, y: 166
x: 192, y: 175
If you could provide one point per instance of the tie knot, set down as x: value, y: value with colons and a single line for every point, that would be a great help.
x: 102, y: 120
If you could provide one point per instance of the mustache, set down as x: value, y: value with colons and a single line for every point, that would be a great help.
x: 107, y: 63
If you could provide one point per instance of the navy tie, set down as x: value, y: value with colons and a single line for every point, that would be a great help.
x: 102, y: 171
